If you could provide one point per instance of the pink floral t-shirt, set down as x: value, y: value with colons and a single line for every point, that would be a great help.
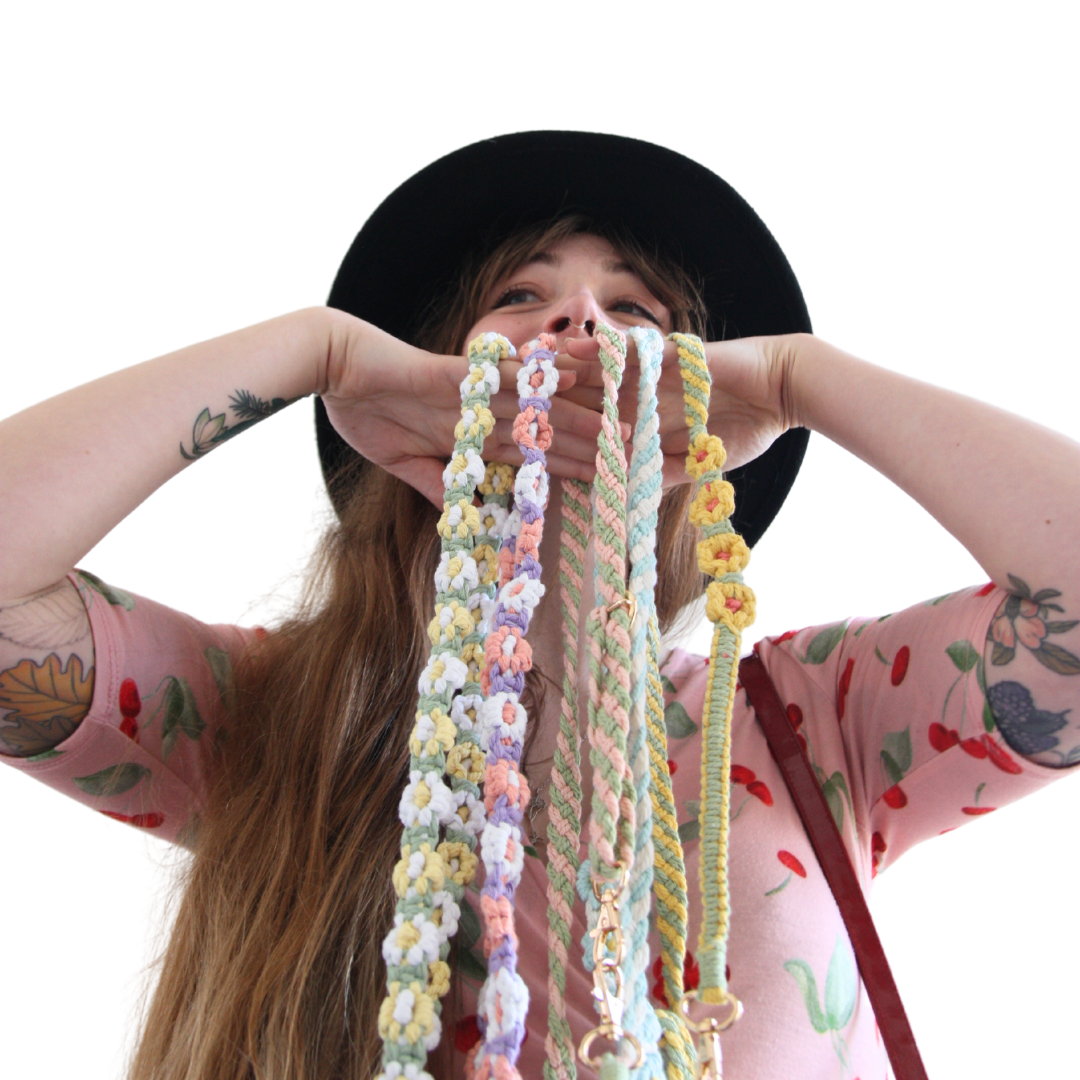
x: 894, y: 717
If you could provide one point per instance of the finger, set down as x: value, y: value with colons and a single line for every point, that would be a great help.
x: 571, y: 468
x: 425, y: 475
x: 586, y: 372
x: 673, y: 471
x: 582, y: 348
x: 573, y: 418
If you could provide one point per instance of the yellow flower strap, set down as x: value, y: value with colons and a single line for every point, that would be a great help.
x: 730, y: 607
x: 431, y: 876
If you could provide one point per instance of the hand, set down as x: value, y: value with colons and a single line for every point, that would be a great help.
x: 750, y: 405
x: 398, y: 405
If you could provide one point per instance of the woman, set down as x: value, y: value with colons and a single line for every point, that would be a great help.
x: 280, y: 762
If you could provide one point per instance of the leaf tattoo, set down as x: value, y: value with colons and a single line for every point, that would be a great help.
x: 210, y: 431
x: 47, y: 701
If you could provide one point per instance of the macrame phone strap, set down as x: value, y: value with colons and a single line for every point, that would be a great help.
x: 722, y: 554
x: 431, y: 875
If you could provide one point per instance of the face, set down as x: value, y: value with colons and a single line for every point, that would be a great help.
x: 566, y: 290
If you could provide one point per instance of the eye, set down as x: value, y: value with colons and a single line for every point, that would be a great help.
x: 632, y: 307
x: 516, y: 294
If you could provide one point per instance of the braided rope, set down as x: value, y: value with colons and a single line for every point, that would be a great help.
x: 564, y: 812
x: 611, y: 823
x: 504, y: 998
x: 643, y: 502
x: 730, y: 607
x: 669, y: 879
x: 430, y: 877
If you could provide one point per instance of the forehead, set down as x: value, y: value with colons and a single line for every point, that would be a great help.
x: 581, y: 251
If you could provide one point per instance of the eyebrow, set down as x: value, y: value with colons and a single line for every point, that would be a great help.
x: 550, y: 258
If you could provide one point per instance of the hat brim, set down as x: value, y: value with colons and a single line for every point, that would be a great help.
x: 412, y: 246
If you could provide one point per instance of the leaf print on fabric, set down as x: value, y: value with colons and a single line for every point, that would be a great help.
x: 45, y: 755
x: 841, y: 993
x: 678, y: 722
x: 470, y: 963
x: 116, y: 597
x: 691, y: 829
x: 896, y: 754
x: 966, y: 659
x: 896, y: 759
x: 823, y: 643
x: 963, y: 654
x: 977, y: 810
x: 181, y: 714
x: 114, y: 780
x: 221, y: 667
x: 836, y: 792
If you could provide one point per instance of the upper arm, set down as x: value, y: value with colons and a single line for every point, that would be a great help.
x: 128, y: 716
x: 1031, y: 662
x: 46, y: 669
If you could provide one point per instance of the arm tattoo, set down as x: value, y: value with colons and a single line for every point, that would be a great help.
x: 210, y: 431
x: 46, y: 670
x: 1019, y: 640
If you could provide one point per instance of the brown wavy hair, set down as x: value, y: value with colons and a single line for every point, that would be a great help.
x: 273, y: 970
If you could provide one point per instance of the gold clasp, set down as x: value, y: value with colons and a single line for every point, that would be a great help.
x: 609, y: 950
x: 710, y: 1058
x: 629, y: 602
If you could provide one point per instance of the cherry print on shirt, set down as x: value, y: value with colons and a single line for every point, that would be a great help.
x: 466, y: 1033
x: 878, y: 847
x: 982, y: 747
x: 795, y: 716
x: 691, y: 977
x: 140, y: 821
x: 844, y: 687
x: 899, y: 663
x: 755, y: 788
x: 130, y: 707
x: 793, y: 865
x: 841, y: 993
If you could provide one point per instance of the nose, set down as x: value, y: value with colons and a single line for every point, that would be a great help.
x: 576, y: 317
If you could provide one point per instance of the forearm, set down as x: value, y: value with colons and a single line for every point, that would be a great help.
x: 76, y: 465
x: 1008, y: 489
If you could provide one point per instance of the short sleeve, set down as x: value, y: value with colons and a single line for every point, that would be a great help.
x: 144, y: 754
x: 905, y: 696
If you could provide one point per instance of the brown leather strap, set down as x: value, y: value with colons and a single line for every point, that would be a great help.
x: 833, y: 856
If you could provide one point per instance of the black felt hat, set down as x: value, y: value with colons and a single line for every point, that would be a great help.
x: 411, y: 247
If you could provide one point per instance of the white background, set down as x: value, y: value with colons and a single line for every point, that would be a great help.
x: 172, y: 172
